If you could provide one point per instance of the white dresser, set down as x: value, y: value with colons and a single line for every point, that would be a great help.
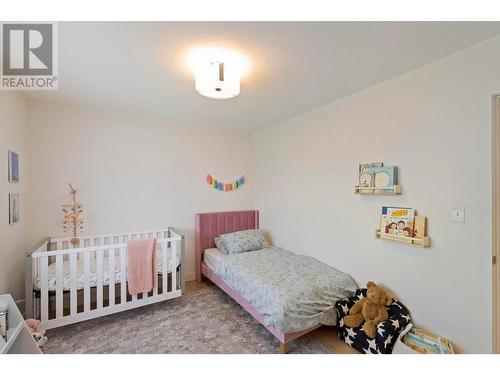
x: 19, y: 339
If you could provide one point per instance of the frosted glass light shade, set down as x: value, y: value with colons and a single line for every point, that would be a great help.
x: 218, y: 80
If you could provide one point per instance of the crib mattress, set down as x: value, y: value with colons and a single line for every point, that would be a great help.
x: 212, y: 257
x: 80, y: 280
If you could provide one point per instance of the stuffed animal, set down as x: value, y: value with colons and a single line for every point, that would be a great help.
x: 33, y: 325
x: 37, y: 333
x: 370, y: 310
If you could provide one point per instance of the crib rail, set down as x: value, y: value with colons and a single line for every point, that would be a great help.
x: 82, y: 283
x: 106, y: 239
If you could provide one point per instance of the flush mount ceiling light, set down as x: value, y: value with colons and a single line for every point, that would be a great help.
x: 217, y: 72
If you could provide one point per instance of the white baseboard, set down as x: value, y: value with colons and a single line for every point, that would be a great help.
x: 190, y: 276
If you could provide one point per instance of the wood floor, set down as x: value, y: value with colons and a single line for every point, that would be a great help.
x: 325, y: 335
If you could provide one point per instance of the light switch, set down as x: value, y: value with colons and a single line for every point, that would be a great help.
x: 458, y: 215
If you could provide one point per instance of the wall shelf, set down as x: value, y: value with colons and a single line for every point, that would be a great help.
x: 411, y: 241
x: 393, y: 190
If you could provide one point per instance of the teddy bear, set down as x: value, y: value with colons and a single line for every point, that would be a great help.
x: 371, y: 310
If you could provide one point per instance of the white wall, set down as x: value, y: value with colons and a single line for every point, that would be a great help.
x: 13, y: 136
x: 433, y: 123
x: 131, y: 173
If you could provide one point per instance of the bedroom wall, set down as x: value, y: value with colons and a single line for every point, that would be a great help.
x: 434, y: 123
x: 131, y: 173
x: 13, y: 243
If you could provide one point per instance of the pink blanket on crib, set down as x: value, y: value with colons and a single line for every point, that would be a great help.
x: 142, y: 275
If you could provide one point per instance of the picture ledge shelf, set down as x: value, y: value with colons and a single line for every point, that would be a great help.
x: 393, y: 190
x: 417, y: 242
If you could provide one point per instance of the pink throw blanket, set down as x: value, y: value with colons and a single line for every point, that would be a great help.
x: 141, y: 265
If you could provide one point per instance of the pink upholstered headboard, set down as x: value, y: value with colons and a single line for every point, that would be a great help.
x: 212, y: 224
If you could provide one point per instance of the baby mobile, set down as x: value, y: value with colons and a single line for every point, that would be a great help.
x: 222, y: 186
x: 73, y: 217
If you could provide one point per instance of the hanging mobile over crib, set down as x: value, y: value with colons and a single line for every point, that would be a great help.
x: 73, y: 217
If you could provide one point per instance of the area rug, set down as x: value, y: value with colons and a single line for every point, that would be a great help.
x: 208, y: 322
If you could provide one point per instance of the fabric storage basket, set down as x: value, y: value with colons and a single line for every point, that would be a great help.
x: 399, y: 346
x: 420, y: 341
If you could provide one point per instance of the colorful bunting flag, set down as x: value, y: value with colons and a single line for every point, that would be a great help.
x: 221, y: 186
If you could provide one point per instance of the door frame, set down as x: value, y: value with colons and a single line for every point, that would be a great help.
x: 496, y: 222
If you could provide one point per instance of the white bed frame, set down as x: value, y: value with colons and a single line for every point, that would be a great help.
x: 56, y: 250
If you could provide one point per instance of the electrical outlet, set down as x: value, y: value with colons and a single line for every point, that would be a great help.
x: 457, y: 215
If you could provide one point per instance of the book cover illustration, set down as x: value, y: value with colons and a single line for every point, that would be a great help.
x: 365, y: 166
x: 384, y: 177
x: 365, y: 181
x: 366, y: 176
x: 397, y: 221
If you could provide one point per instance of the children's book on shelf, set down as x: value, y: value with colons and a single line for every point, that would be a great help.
x: 384, y: 178
x: 365, y: 181
x: 366, y: 176
x: 397, y: 221
x: 364, y: 166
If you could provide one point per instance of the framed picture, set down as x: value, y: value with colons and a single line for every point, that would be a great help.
x: 13, y: 167
x: 13, y: 208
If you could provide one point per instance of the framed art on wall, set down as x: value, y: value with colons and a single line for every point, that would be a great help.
x: 13, y: 208
x: 13, y: 167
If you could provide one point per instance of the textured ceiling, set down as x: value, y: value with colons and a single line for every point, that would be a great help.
x: 139, y: 67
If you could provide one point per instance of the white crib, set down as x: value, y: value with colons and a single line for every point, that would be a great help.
x: 66, y: 284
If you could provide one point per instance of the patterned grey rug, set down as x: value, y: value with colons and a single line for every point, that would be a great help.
x: 209, y: 322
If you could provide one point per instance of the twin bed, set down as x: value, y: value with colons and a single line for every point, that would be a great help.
x: 289, y: 294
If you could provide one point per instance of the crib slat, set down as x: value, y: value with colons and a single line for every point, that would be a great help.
x: 73, y: 290
x: 155, y: 289
x: 86, y: 281
x: 44, y: 289
x: 164, y: 272
x: 111, y: 277
x: 123, y: 275
x: 99, y: 278
x: 59, y: 286
x: 173, y: 257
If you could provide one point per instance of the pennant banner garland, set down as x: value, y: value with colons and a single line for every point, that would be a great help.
x: 221, y: 186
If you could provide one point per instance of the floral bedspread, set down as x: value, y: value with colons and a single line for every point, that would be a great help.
x: 293, y: 292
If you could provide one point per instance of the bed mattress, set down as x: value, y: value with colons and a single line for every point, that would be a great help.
x: 80, y: 281
x: 212, y: 257
x: 293, y: 292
